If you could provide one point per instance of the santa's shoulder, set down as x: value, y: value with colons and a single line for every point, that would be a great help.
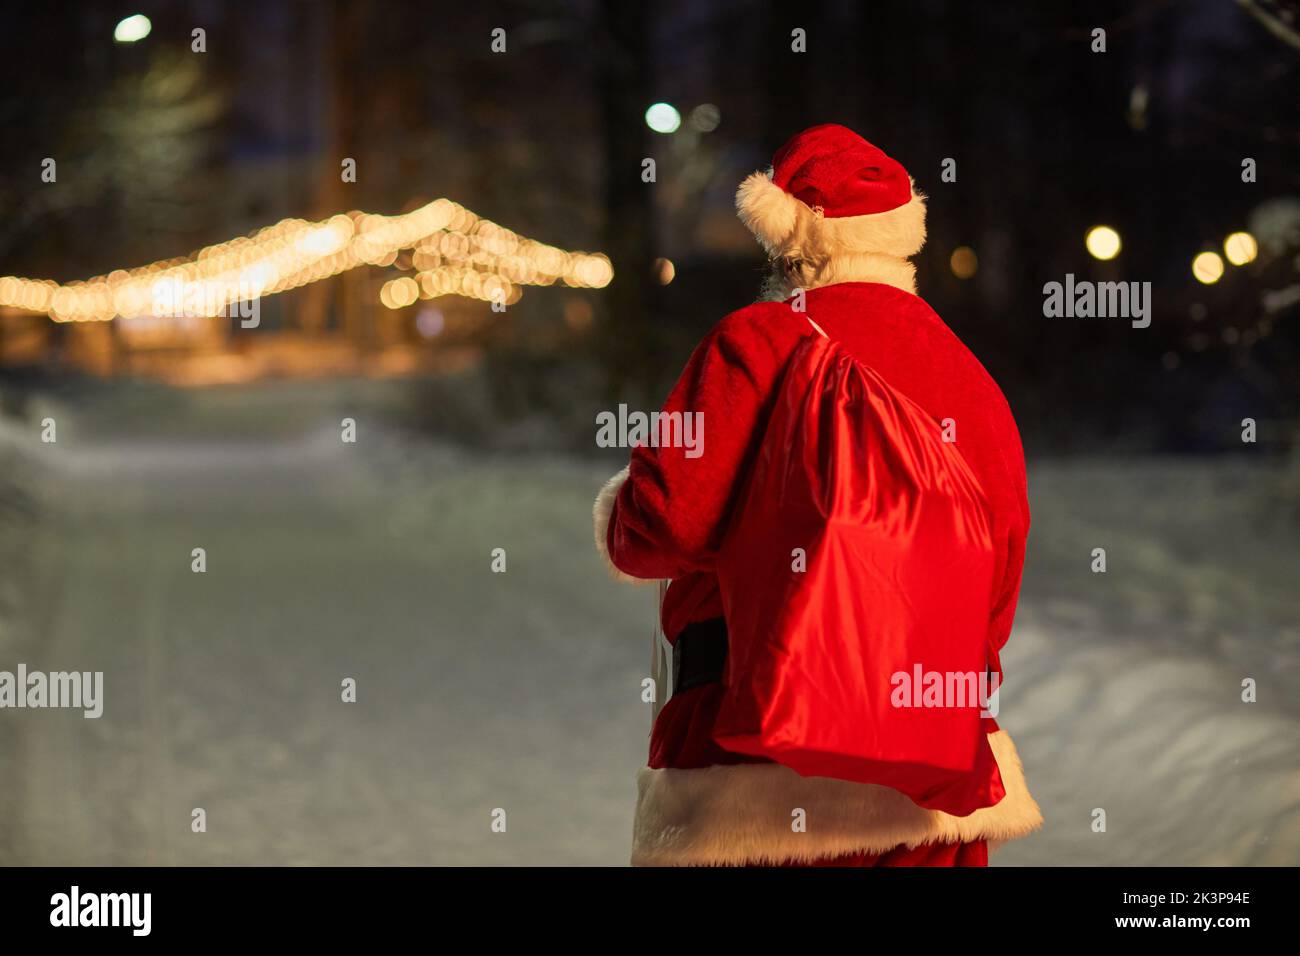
x: 763, y: 324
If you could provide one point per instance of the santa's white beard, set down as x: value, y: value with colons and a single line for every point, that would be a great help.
x: 778, y: 286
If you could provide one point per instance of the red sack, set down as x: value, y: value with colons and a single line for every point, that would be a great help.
x: 899, y: 573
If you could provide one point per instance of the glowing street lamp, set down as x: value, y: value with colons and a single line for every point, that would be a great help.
x: 133, y: 28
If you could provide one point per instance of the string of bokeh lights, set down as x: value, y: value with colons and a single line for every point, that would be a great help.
x: 452, y: 252
x: 1103, y: 243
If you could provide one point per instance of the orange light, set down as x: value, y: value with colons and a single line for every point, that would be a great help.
x: 963, y: 262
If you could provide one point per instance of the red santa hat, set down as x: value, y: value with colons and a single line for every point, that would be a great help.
x: 830, y: 193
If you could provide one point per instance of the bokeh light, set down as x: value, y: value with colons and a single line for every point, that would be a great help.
x: 1207, y: 267
x: 133, y: 28
x: 430, y: 322
x: 663, y: 118
x: 1240, y: 248
x: 963, y: 262
x: 1102, y: 242
x: 481, y: 261
x: 705, y: 118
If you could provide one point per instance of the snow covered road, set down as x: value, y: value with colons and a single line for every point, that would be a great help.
x: 520, y: 691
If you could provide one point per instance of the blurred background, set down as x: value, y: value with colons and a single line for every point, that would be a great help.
x: 450, y: 241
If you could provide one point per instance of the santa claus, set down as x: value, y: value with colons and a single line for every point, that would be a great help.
x: 860, y: 511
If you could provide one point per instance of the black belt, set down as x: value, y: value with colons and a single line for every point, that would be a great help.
x: 699, y: 654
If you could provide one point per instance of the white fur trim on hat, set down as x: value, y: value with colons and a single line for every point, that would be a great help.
x: 740, y: 814
x: 786, y: 226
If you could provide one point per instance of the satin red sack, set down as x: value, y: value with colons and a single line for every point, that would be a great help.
x: 899, y: 567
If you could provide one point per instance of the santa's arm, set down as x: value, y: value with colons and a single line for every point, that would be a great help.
x: 664, y: 516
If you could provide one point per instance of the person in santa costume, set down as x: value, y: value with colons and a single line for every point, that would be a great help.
x: 754, y: 759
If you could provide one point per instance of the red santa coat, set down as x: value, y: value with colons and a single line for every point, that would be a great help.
x: 665, y: 517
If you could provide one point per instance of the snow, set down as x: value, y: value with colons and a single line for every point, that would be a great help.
x: 1124, y: 689
x: 521, y: 690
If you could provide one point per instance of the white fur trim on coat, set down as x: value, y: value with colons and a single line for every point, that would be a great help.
x: 740, y: 814
x: 788, y: 228
x: 601, y: 512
